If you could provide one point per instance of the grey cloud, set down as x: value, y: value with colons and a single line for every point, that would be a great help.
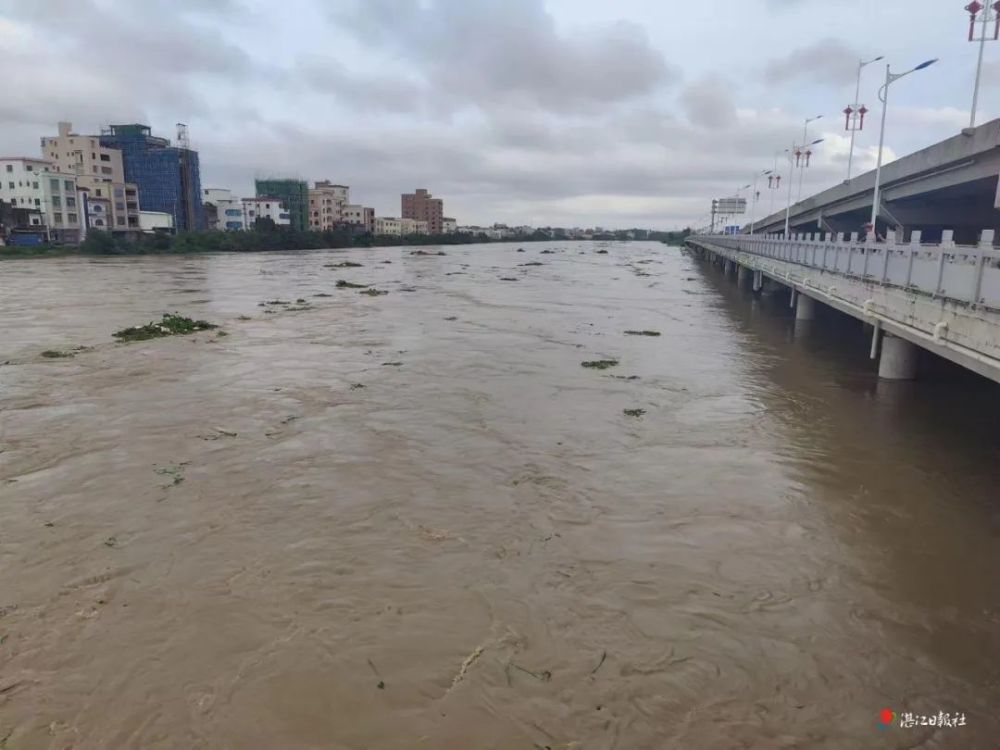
x: 709, y: 103
x: 826, y: 61
x: 503, y: 53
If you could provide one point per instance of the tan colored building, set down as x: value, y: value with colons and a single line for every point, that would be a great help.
x: 361, y: 216
x: 113, y: 204
x: 326, y: 205
x: 412, y: 226
x: 423, y: 207
x: 388, y: 225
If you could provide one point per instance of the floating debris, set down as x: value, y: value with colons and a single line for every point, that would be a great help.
x: 452, y: 317
x: 357, y: 386
x: 602, y: 252
x: 322, y: 294
x: 174, y: 472
x: 54, y: 354
x: 532, y: 263
x: 244, y: 317
x: 642, y: 333
x: 392, y: 364
x: 625, y: 377
x: 600, y: 364
x: 604, y: 655
x: 547, y: 252
x: 373, y: 292
x: 341, y: 284
x: 169, y: 325
x: 424, y: 252
x: 300, y: 301
x: 520, y: 250
x: 633, y: 412
x: 344, y: 264
x: 387, y: 261
x: 508, y: 278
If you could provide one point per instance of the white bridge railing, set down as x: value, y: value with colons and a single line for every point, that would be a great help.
x: 963, y: 273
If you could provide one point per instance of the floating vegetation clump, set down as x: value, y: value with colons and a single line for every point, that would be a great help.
x: 520, y: 250
x: 373, y: 292
x: 322, y: 294
x: 424, y: 252
x: 392, y: 364
x: 343, y: 264
x: 357, y: 386
x: 625, y: 377
x: 507, y: 278
x: 54, y: 354
x: 600, y: 364
x: 547, y: 252
x: 633, y: 412
x: 169, y: 325
x: 602, y: 252
x: 532, y: 263
x: 452, y: 317
x: 341, y: 284
x: 642, y: 333
x: 244, y: 317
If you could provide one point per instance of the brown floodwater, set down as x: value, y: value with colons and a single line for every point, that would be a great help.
x: 415, y: 521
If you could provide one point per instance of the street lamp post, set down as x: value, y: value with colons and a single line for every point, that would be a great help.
x: 791, y: 167
x: 856, y: 112
x: 989, y: 12
x: 883, y: 95
x: 753, y: 198
x: 805, y: 134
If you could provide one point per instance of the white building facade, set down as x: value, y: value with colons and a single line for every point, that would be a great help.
x: 449, y: 226
x: 229, y: 214
x: 265, y: 208
x: 35, y: 184
x: 412, y: 226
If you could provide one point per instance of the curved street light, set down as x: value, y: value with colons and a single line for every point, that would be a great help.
x: 791, y: 167
x: 805, y: 134
x: 883, y: 95
x: 753, y: 198
x: 854, y: 110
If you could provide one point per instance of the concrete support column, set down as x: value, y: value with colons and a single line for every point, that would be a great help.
x: 758, y: 280
x: 898, y: 360
x: 742, y: 276
x: 805, y: 307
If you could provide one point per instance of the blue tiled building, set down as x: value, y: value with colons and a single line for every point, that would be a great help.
x: 168, y: 176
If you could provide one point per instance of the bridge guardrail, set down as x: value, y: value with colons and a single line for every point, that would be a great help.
x: 962, y: 273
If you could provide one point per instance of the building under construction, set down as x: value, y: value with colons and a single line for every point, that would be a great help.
x: 294, y: 194
x: 168, y: 177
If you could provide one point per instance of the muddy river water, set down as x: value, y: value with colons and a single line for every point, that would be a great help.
x: 415, y: 521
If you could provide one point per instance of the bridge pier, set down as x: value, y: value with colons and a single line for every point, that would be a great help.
x: 742, y: 276
x: 758, y: 280
x: 898, y: 360
x: 805, y: 307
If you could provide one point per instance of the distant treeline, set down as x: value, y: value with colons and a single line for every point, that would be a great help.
x: 267, y: 238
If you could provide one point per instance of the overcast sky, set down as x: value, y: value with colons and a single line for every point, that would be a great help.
x: 547, y: 112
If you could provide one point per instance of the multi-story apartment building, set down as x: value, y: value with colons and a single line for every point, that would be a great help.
x: 412, y: 226
x: 168, y: 177
x: 113, y: 203
x: 388, y: 225
x: 359, y: 216
x: 265, y: 207
x: 293, y: 193
x: 37, y: 184
x: 326, y: 205
x: 423, y: 207
x: 223, y: 212
x: 448, y: 225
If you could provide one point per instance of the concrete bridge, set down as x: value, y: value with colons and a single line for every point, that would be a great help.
x: 951, y: 185
x: 943, y: 297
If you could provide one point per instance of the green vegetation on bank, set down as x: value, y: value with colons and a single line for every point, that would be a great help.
x: 270, y: 238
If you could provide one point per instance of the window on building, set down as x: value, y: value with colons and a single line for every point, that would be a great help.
x: 119, y: 192
x: 119, y: 206
x: 37, y: 202
x: 54, y: 184
x: 34, y: 221
x: 94, y: 167
x: 120, y: 221
x: 72, y: 218
x: 57, y: 218
x: 69, y: 185
x: 105, y: 170
x: 10, y: 167
x: 98, y: 192
x: 34, y: 185
x: 56, y: 202
x: 11, y: 185
x: 92, y: 156
x: 98, y: 222
x: 70, y: 201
